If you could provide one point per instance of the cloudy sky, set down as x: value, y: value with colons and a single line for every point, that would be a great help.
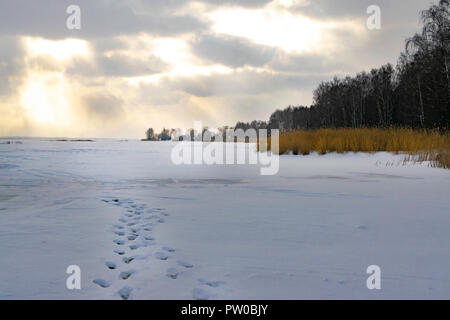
x: 136, y: 64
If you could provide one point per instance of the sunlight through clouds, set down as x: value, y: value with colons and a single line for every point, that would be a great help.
x: 45, y: 97
x: 59, y: 50
x: 177, y: 53
x: 276, y: 28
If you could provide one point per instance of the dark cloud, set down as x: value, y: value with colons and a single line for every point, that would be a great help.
x: 308, y: 64
x: 393, y: 11
x: 240, y: 82
x: 231, y: 51
x: 47, y: 18
x: 120, y: 65
x: 117, y: 65
x: 239, y: 52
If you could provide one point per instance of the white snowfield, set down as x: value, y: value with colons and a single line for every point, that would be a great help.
x: 140, y: 227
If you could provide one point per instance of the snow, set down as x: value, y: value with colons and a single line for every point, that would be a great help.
x: 141, y: 227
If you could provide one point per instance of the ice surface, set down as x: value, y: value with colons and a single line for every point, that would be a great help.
x: 310, y: 231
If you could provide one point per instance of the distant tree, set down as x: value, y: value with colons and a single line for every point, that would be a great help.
x: 172, y: 132
x: 150, y: 134
x: 223, y: 131
x: 190, y: 133
x: 164, y: 135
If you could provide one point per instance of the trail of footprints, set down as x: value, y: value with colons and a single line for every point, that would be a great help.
x: 132, y: 233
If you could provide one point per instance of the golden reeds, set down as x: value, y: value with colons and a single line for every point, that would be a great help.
x: 424, y: 145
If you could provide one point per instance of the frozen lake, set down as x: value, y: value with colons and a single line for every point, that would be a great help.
x: 148, y: 229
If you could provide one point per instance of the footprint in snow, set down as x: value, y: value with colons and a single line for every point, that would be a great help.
x: 119, y: 242
x: 213, y: 284
x: 185, y: 264
x: 168, y: 249
x: 110, y: 265
x: 119, y: 252
x: 147, y: 243
x: 102, y: 283
x: 119, y: 233
x: 127, y: 260
x: 131, y: 238
x: 161, y: 256
x: 125, y: 292
x: 201, y: 294
x: 124, y: 275
x: 172, y: 273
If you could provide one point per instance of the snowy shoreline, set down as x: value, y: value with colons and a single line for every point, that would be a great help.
x: 218, y: 232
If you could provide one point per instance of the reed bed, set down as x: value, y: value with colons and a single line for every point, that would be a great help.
x: 419, y: 145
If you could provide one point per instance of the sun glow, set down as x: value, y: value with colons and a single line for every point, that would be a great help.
x: 44, y: 96
x: 277, y: 28
x: 177, y: 54
x: 59, y: 50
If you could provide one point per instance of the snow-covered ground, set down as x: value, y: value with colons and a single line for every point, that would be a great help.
x: 218, y: 232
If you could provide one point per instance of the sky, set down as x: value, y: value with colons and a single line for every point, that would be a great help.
x: 136, y: 64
